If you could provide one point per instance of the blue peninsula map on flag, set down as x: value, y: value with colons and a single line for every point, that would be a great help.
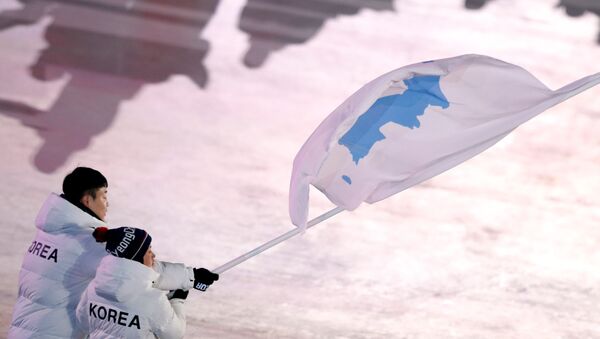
x: 402, y: 109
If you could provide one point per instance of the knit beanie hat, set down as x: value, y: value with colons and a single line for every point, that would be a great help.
x: 124, y: 242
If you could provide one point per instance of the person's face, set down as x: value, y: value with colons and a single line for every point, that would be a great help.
x: 149, y: 257
x: 98, y: 205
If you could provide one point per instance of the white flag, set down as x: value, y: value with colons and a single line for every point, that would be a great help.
x: 414, y: 123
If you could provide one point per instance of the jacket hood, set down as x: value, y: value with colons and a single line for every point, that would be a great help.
x: 119, y: 279
x: 59, y: 215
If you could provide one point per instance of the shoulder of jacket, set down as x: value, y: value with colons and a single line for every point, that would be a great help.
x: 57, y: 215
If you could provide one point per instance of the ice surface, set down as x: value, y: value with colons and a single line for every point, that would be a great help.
x: 195, y: 122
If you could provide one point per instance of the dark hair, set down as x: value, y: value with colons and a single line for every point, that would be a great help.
x: 82, y: 181
x: 91, y: 191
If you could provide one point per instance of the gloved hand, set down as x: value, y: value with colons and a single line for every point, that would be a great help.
x: 178, y: 294
x: 204, y: 278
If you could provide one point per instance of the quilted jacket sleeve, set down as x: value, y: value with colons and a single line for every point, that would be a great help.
x: 173, y: 276
x: 169, y: 320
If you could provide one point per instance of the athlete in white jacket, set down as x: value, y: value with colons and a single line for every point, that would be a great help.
x: 63, y: 257
x: 120, y: 302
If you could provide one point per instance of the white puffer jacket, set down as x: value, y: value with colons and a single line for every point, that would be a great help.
x: 121, y: 303
x: 58, y: 266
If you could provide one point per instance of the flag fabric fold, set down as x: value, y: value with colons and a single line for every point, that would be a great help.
x: 414, y: 123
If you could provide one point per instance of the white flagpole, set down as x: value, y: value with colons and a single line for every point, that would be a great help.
x: 275, y: 241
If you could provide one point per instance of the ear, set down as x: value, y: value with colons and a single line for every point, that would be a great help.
x: 86, y: 200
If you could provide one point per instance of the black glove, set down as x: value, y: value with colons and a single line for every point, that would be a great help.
x: 179, y: 294
x: 204, y: 278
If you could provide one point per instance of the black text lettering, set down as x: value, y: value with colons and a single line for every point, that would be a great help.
x: 102, y: 312
x: 54, y: 255
x: 41, y: 250
x: 123, y: 318
x: 112, y: 314
x: 44, y: 251
x: 115, y: 316
x: 36, y: 250
x: 93, y: 310
x: 135, y: 322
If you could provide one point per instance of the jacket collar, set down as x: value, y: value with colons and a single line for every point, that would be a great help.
x: 59, y: 215
x: 81, y: 206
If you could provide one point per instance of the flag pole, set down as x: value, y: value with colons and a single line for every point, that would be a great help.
x: 276, y: 241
